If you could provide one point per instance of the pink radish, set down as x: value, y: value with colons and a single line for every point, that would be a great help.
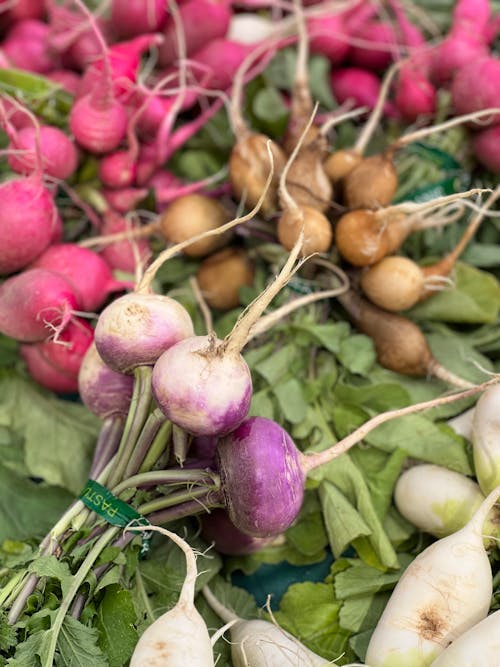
x: 122, y: 200
x: 69, y: 80
x: 46, y: 374
x: 26, y: 46
x: 136, y: 17
x: 415, y: 95
x: 218, y: 529
x: 67, y: 352
x: 486, y: 145
x: 358, y: 86
x: 89, y: 273
x: 27, y: 221
x: 197, y: 33
x: 382, y: 46
x: 124, y: 255
x: 57, y: 151
x: 222, y: 58
x: 34, y: 304
x: 475, y: 86
x: 21, y: 10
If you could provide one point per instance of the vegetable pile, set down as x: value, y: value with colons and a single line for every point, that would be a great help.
x: 249, y: 302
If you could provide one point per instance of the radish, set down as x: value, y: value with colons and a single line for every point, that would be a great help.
x: 58, y: 153
x: 397, y: 283
x: 104, y: 392
x: 474, y: 86
x: 217, y: 528
x: 222, y: 58
x: 222, y: 275
x: 28, y: 218
x: 203, y: 384
x: 359, y: 86
x: 68, y: 80
x: 440, y: 501
x: 248, y: 28
x: 135, y: 17
x: 382, y: 45
x: 485, y: 447
x: 216, y: 17
x: 26, y: 46
x: 34, y: 304
x: 260, y: 643
x: 46, y: 374
x: 477, y: 647
x: 124, y: 255
x: 98, y: 120
x: 415, y: 95
x: 486, y: 146
x: 179, y: 637
x: 67, y: 352
x: 89, y: 274
x: 19, y: 10
x: 442, y: 593
x: 122, y: 200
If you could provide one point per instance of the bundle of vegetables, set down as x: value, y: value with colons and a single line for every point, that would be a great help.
x: 190, y: 431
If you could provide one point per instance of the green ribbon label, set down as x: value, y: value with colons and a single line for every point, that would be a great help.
x: 100, y: 500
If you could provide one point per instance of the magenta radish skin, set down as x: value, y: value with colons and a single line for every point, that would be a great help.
x: 67, y: 353
x: 33, y: 303
x: 22, y: 10
x: 105, y: 392
x: 46, y: 374
x: 70, y: 81
x: 26, y: 46
x: 135, y: 17
x: 117, y: 170
x: 123, y: 255
x: 359, y: 86
x: 135, y: 329
x: 414, y: 96
x: 216, y: 18
x: 98, y: 123
x: 384, y: 40
x: 476, y: 86
x: 486, y: 145
x: 201, y: 389
x: 223, y: 58
x: 328, y: 37
x: 456, y: 51
x: 58, y: 152
x: 261, y: 477
x: 27, y: 221
x: 89, y: 273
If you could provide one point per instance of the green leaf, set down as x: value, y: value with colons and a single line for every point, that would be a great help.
x: 362, y: 612
x: 28, y: 509
x: 308, y: 534
x: 8, y: 635
x: 116, y: 618
x: 330, y: 335
x: 343, y: 522
x: 269, y: 108
x: 361, y: 579
x: 234, y: 598
x: 277, y: 365
x: 373, y: 396
x: 475, y: 299
x: 423, y: 440
x: 291, y: 400
x: 27, y: 653
x: 262, y: 405
x: 77, y: 646
x: 50, y: 566
x: 459, y: 356
x: 59, y: 436
x: 357, y: 354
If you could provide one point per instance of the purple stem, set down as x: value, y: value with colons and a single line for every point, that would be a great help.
x: 107, y: 444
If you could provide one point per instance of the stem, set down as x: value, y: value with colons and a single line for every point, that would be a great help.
x: 226, y: 614
x: 157, y: 477
x: 336, y: 120
x: 311, y: 461
x: 419, y: 208
x: 153, y: 424
x: 202, y: 304
x: 139, y: 408
x: 426, y: 131
x: 107, y: 443
x: 78, y: 579
x: 370, y: 125
x: 148, y: 277
x: 135, y: 233
x: 301, y: 94
x: 237, y: 338
x: 190, y: 508
x: 157, y: 447
x: 178, y: 499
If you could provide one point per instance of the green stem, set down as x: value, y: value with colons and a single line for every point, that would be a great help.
x: 148, y: 434
x: 78, y: 579
x: 10, y: 586
x: 156, y: 477
x: 158, y: 446
x: 177, y: 499
x: 138, y: 412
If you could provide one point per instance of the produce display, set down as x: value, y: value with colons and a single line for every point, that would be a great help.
x: 249, y: 333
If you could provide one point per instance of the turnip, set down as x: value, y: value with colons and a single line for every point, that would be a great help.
x: 477, y: 647
x: 217, y: 528
x: 264, y: 500
x: 398, y: 283
x: 34, y: 304
x: 485, y: 441
x: 89, y: 274
x: 261, y: 643
x: 222, y: 275
x: 440, y: 501
x: 443, y: 592
x: 179, y: 637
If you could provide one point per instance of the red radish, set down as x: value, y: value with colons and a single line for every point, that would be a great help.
x: 381, y: 48
x: 34, y: 304
x: 66, y: 354
x: 125, y: 255
x: 136, y: 17
x: 58, y: 153
x: 105, y: 392
x: 486, y: 145
x: 26, y: 46
x: 89, y: 273
x: 475, y: 86
x: 122, y: 200
x: 415, y: 95
x: 70, y: 81
x: 358, y: 86
x: 45, y: 373
x: 98, y: 120
x: 20, y: 10
x: 222, y: 58
x: 216, y: 17
x: 27, y: 222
